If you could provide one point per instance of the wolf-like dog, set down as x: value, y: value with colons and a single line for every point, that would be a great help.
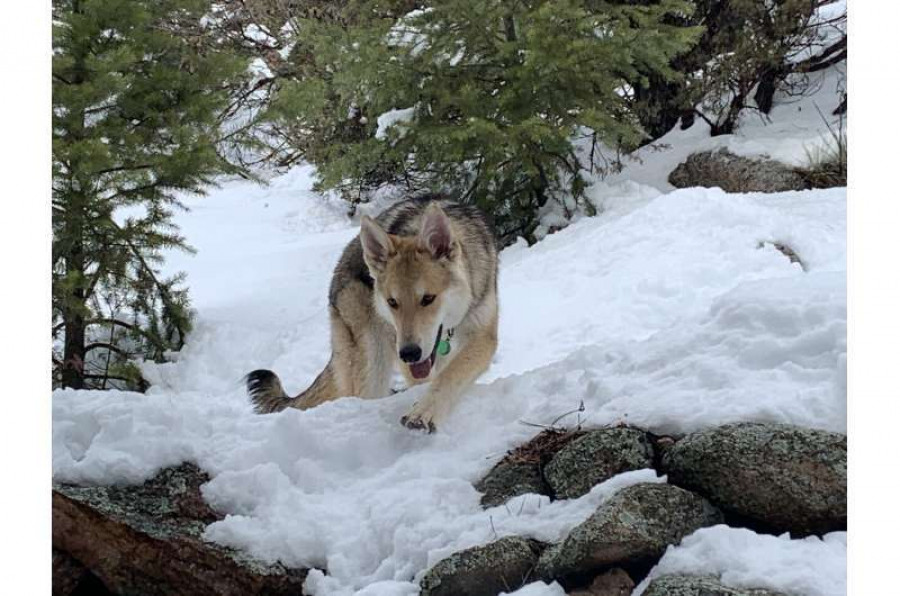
x: 415, y: 290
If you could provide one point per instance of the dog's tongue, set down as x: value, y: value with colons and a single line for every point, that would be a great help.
x: 420, y: 370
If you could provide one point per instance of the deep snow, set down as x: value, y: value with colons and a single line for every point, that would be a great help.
x: 664, y: 313
x: 670, y: 310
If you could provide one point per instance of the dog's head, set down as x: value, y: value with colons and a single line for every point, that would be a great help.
x: 420, y: 284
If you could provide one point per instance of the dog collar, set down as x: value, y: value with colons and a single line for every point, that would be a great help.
x: 443, y: 345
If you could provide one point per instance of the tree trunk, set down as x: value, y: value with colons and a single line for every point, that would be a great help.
x: 725, y: 128
x: 74, y: 305
x: 688, y: 116
x: 765, y: 90
x: 661, y: 107
x: 74, y: 323
x: 73, y: 355
x: 509, y: 25
x: 842, y: 107
x: 726, y: 125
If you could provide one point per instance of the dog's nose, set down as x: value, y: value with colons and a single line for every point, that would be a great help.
x: 410, y: 353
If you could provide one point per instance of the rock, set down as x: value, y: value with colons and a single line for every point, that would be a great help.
x: 501, y: 566
x: 614, y: 582
x: 634, y: 526
x: 787, y: 251
x: 67, y: 573
x: 784, y: 477
x: 509, y: 479
x: 521, y: 470
x: 734, y: 173
x: 693, y: 585
x: 146, y: 540
x: 597, y: 456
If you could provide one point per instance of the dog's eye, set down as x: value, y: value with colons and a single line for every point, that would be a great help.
x: 427, y: 299
x: 392, y: 303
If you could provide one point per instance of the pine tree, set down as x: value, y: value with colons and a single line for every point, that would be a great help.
x: 135, y: 101
x: 498, y: 92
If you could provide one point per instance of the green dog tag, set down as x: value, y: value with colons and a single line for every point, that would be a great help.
x: 443, y: 347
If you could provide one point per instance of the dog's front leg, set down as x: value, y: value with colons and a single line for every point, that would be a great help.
x: 446, y: 389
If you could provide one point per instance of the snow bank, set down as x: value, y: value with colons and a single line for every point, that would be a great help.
x: 743, y: 559
x: 663, y: 311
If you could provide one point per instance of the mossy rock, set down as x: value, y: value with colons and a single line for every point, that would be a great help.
x: 509, y: 479
x: 501, y: 566
x: 521, y: 469
x: 615, y: 582
x: 736, y: 173
x: 694, y: 585
x: 783, y: 477
x: 634, y: 526
x: 595, y: 457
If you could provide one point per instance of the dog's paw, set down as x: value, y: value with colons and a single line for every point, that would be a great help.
x: 418, y: 421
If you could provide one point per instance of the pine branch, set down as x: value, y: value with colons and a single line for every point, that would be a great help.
x: 107, y: 377
x: 123, y: 168
x: 160, y: 287
x: 108, y: 346
x: 131, y: 327
x: 831, y: 56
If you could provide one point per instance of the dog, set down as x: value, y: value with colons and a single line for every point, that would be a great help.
x: 416, y: 290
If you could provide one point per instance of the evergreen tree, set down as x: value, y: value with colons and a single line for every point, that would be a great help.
x: 136, y: 95
x: 497, y: 94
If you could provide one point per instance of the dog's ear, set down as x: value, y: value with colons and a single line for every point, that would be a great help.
x: 435, y: 235
x: 376, y: 243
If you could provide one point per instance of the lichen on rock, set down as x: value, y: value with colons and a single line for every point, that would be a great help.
x: 500, y: 566
x: 783, y: 477
x: 510, y: 479
x: 699, y: 585
x: 595, y: 457
x: 735, y: 173
x: 636, y: 524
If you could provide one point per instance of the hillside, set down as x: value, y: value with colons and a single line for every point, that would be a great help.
x: 671, y: 310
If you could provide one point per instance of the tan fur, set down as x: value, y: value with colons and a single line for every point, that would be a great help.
x: 451, y: 257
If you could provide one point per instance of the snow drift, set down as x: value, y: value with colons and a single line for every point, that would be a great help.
x: 673, y: 312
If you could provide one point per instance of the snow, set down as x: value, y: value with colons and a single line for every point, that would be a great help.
x: 538, y: 589
x: 258, y: 34
x: 741, y: 558
x: 661, y: 311
x: 670, y: 310
x: 830, y: 24
x: 408, y: 33
x: 394, y: 118
x: 259, y: 69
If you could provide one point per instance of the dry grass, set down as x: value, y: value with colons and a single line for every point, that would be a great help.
x: 826, y: 163
x: 542, y: 447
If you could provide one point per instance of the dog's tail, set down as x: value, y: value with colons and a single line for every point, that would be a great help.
x: 267, y: 394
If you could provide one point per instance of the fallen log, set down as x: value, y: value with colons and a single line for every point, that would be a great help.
x: 146, y: 540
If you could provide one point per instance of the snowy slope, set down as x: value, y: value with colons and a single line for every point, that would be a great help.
x: 669, y: 310
x: 667, y: 315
